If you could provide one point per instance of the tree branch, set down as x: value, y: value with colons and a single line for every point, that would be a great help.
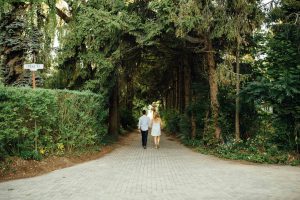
x: 193, y: 40
x: 63, y: 15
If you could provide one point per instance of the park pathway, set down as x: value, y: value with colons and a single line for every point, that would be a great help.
x: 172, y: 172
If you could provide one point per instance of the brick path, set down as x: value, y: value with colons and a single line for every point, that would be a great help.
x: 172, y: 172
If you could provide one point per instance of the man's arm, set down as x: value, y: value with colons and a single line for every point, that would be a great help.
x: 139, y: 124
x: 149, y: 123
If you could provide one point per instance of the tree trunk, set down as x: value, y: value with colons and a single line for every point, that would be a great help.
x: 172, y: 97
x: 176, y: 88
x: 187, y: 94
x: 181, y: 88
x: 174, y: 93
x: 237, y: 100
x: 169, y: 102
x: 187, y: 84
x: 129, y: 93
x: 193, y: 121
x: 164, y: 100
x: 205, y: 131
x: 114, y: 122
x: 213, y: 87
x: 167, y: 99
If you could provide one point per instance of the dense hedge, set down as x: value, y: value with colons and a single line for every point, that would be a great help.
x: 264, y: 147
x: 34, y: 123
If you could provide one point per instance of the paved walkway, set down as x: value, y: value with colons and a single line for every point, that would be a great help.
x: 172, y: 172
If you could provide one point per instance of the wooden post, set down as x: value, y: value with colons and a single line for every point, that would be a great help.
x: 33, y: 79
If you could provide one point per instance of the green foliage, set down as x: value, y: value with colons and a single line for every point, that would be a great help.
x: 263, y: 147
x: 6, y: 167
x: 91, y: 51
x: 144, y: 42
x: 264, y: 141
x: 25, y: 37
x: 28, y: 155
x: 258, y: 149
x: 249, y: 117
x: 171, y: 121
x: 176, y: 123
x: 199, y: 109
x: 128, y: 121
x: 138, y: 106
x: 185, y: 128
x: 80, y: 119
x: 276, y: 83
x: 231, y: 19
x: 40, y: 122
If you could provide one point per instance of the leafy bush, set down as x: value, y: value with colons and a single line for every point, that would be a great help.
x: 185, y: 128
x: 256, y: 150
x: 80, y: 119
x: 248, y: 114
x: 276, y: 77
x: 127, y: 119
x: 263, y: 147
x: 28, y: 155
x: 33, y: 122
x: 171, y: 119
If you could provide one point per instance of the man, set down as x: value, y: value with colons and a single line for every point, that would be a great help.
x: 144, y: 123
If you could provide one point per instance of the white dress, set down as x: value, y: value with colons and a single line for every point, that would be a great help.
x: 155, y: 131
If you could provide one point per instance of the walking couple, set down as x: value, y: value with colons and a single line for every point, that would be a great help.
x: 154, y: 125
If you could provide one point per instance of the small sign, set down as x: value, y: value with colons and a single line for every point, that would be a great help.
x: 33, y: 66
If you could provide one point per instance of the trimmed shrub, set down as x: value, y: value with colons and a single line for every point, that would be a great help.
x: 34, y: 123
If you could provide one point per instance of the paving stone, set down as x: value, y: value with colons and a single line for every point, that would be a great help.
x: 172, y: 172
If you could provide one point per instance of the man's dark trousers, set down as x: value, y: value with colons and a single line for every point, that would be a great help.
x: 144, y: 137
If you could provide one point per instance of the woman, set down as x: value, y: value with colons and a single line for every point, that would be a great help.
x: 155, y: 130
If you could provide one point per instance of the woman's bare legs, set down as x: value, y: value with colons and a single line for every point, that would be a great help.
x: 158, y: 140
x: 155, y: 141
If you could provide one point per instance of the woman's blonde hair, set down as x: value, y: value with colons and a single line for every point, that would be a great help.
x: 155, y: 115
